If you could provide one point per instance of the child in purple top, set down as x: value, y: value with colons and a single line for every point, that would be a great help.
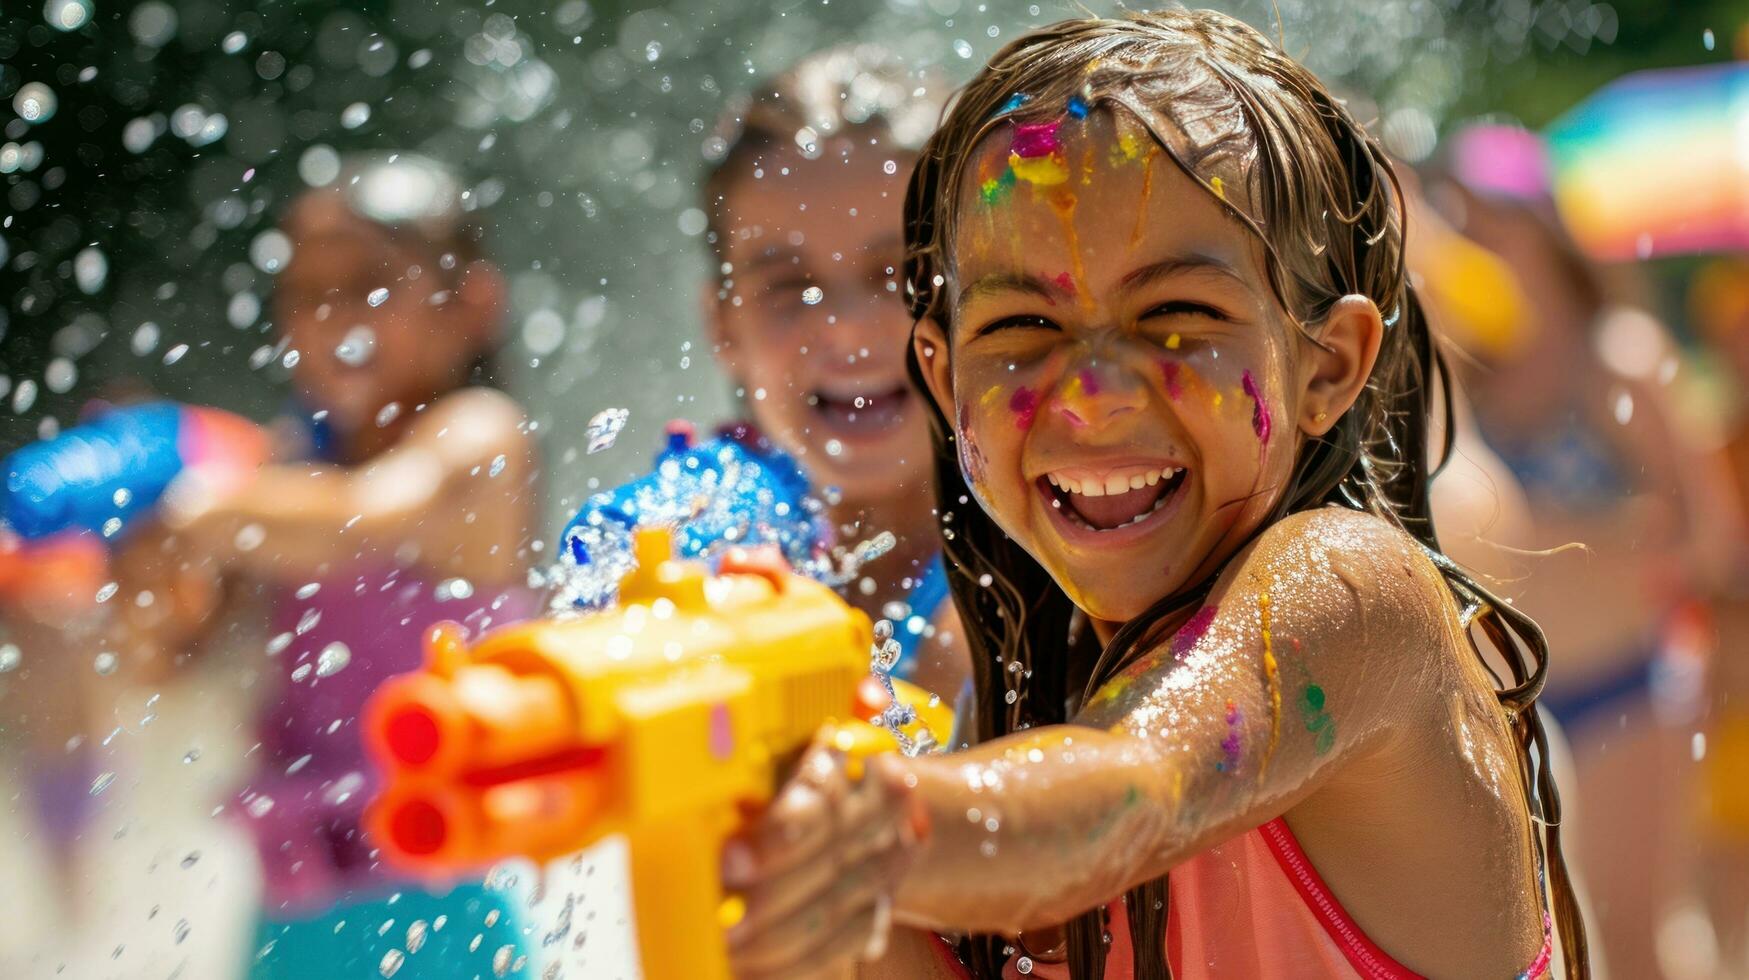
x: 417, y: 506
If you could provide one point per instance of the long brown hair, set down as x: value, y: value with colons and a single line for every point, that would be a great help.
x: 1286, y: 158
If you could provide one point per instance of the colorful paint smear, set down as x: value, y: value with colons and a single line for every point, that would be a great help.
x: 994, y: 189
x: 1024, y: 405
x: 1036, y: 140
x: 1272, y: 680
x: 1089, y: 381
x: 1063, y: 204
x: 1231, y: 745
x: 1260, y: 420
x: 1065, y: 282
x: 1191, y: 633
x: 1218, y: 187
x: 1045, y: 171
x: 1077, y: 107
x: 990, y: 396
x: 1169, y: 371
x: 1147, y: 192
x: 1318, y: 721
x: 1014, y: 102
x: 1128, y: 148
x: 1173, y: 342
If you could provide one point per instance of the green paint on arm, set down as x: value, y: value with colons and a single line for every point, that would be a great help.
x: 1318, y: 721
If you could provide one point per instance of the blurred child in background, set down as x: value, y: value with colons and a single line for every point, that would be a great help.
x: 1575, y: 405
x: 414, y: 503
x: 804, y: 196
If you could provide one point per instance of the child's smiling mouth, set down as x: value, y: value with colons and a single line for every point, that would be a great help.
x: 1106, y: 499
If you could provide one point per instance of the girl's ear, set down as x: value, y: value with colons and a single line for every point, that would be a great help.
x: 929, y: 343
x: 1338, y: 360
x: 710, y: 311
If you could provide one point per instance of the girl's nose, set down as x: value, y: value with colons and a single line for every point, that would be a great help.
x: 1093, y: 395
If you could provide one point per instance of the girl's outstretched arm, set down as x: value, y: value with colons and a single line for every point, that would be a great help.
x: 1303, y: 658
x: 1330, y: 631
x: 443, y: 491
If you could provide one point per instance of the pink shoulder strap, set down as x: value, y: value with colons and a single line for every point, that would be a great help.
x: 1367, y: 959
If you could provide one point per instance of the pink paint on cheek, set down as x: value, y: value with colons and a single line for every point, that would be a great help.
x: 1089, y: 382
x: 1260, y: 421
x: 1174, y: 387
x: 1024, y: 405
x: 1066, y: 283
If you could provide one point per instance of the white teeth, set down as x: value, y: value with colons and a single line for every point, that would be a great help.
x: 1053, y: 478
x: 1153, y: 478
x: 1138, y: 481
x: 1092, y: 488
x: 1116, y: 484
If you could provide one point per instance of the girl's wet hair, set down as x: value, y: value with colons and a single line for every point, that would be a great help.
x: 860, y: 88
x: 1286, y: 158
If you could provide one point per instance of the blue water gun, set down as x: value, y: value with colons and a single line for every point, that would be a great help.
x: 99, y: 475
x: 721, y: 493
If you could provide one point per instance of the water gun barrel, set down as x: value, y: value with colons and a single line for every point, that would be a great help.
x: 119, y: 464
x: 663, y: 718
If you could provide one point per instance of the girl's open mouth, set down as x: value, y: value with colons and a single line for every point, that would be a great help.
x: 1123, y: 497
x: 861, y: 415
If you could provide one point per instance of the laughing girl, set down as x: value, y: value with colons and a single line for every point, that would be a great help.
x: 1233, y: 716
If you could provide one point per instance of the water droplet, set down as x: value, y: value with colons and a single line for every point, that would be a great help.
x: 360, y: 343
x: 70, y: 15
x: 300, y: 672
x: 107, y: 592
x: 501, y: 960
x: 813, y: 295
x: 963, y: 48
x: 883, y: 629
x: 291, y: 358
x: 391, y: 962
x: 497, y: 466
x: 1023, y: 965
x: 308, y: 589
x: 1011, y: 697
x: 388, y: 413
x: 454, y: 588
x: 191, y: 859
x: 10, y: 657
x: 112, y: 527
x: 886, y: 656
x: 105, y: 663
x: 355, y: 115
x: 604, y: 427
x: 415, y: 936
x: 189, y: 757
x: 333, y: 659
x: 260, y: 806
x: 102, y: 782
x: 249, y: 537
x: 834, y: 447
x: 182, y: 930
x: 378, y: 296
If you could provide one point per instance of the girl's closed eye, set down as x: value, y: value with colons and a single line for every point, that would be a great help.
x: 1018, y: 321
x: 1185, y: 307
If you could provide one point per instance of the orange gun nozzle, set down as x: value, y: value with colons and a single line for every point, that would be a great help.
x: 482, y: 717
x: 460, y: 824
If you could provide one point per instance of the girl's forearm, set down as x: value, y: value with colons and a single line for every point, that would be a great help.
x: 1031, y: 830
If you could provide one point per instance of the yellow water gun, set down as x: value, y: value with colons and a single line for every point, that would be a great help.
x: 665, y: 718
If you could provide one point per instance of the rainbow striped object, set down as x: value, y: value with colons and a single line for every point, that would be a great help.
x: 1657, y: 163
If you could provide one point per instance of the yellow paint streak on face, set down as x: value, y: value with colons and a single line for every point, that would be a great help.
x: 988, y: 398
x: 1173, y: 341
x: 1113, y: 689
x: 1063, y: 203
x: 1087, y: 165
x: 1272, y: 681
x: 1147, y: 191
x: 1046, y: 171
x: 1128, y: 148
x: 1219, y: 187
